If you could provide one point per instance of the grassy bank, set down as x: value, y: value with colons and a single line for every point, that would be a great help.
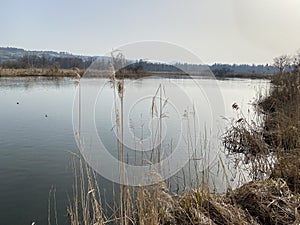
x: 172, y: 74
x: 268, y: 202
x: 96, y: 73
x: 282, y: 127
x: 40, y: 72
x: 270, y: 148
x: 278, y: 135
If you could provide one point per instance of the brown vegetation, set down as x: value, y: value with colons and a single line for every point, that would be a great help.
x: 268, y: 202
x: 52, y: 72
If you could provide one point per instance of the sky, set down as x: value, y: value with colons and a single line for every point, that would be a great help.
x: 217, y: 31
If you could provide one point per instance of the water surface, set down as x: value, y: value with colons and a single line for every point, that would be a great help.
x: 36, y: 131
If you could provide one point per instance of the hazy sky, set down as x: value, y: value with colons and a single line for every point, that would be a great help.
x: 227, y: 31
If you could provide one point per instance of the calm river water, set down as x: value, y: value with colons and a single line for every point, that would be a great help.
x: 36, y: 130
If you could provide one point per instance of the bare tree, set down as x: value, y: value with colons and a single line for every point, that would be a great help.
x: 296, y: 61
x: 282, y: 62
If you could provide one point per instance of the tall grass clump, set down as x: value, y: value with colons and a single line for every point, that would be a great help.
x: 282, y: 126
x: 282, y: 112
x: 244, y: 142
x: 85, y: 205
x: 277, y: 137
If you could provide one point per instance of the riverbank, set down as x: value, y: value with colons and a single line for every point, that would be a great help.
x: 278, y: 134
x: 36, y: 72
x: 282, y: 127
x: 199, y: 74
x: 45, y: 72
x: 271, y: 148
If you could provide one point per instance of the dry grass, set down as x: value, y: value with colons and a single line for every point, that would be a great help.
x: 282, y: 127
x: 41, y: 72
x: 141, y: 205
x: 202, y: 207
x: 271, y: 201
x: 282, y: 110
x: 85, y: 206
x: 268, y: 202
x: 244, y: 142
x: 288, y: 168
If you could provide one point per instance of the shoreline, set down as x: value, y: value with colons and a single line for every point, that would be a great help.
x: 41, y: 72
x: 77, y: 73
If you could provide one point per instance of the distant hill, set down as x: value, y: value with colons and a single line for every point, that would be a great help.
x: 8, y: 54
x: 18, y: 58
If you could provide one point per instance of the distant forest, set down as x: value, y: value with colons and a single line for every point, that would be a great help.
x: 34, y: 61
x: 217, y: 69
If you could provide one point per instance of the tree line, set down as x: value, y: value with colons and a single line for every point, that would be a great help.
x: 34, y: 61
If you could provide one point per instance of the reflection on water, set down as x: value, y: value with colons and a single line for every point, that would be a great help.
x: 36, y: 133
